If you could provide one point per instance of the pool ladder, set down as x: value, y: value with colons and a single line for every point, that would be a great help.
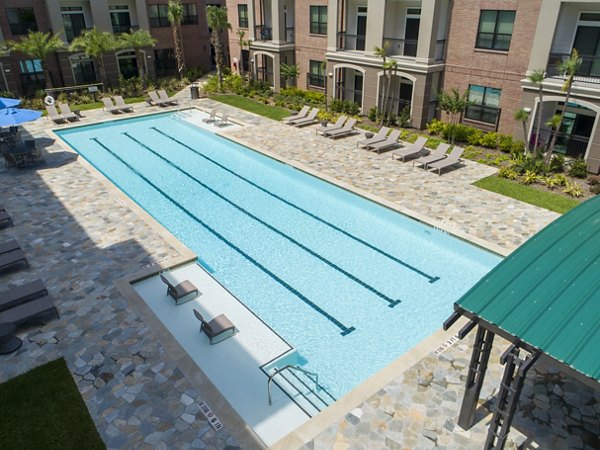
x: 296, y: 382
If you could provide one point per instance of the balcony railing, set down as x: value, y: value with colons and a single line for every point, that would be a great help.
x: 314, y: 81
x: 571, y: 145
x: 350, y: 41
x: 588, y: 72
x: 401, y: 47
x: 263, y: 33
x: 395, y: 104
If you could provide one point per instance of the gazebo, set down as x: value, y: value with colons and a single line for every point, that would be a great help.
x: 545, y: 300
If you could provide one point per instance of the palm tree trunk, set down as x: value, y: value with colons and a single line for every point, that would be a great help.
x: 536, y: 150
x: 383, y: 97
x: 103, y: 77
x: 218, y: 57
x: 179, y: 56
x: 47, y: 75
x: 548, y: 155
x: 388, y: 102
x: 141, y: 66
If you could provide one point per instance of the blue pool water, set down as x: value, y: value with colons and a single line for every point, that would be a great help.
x: 352, y: 285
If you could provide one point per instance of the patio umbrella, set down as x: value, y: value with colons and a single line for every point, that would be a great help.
x: 16, y: 116
x: 8, y: 102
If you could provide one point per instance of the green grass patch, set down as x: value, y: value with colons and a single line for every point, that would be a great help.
x: 272, y: 112
x: 96, y: 105
x: 43, y: 409
x: 527, y: 194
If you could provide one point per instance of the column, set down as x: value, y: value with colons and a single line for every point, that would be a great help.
x: 142, y: 14
x: 375, y: 24
x: 55, y: 18
x: 251, y: 21
x: 544, y: 34
x: 428, y: 29
x: 332, y: 25
x: 100, y: 15
x: 277, y: 21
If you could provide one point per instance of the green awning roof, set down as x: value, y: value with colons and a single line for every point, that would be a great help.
x: 547, y: 292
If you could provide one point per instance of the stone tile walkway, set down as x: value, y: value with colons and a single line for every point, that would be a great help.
x: 79, y: 238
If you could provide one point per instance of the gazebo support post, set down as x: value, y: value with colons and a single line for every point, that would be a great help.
x: 477, y: 368
x: 508, y: 396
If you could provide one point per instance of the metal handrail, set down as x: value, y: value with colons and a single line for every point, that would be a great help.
x: 290, y: 366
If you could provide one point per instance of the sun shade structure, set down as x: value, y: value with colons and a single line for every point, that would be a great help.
x: 545, y: 299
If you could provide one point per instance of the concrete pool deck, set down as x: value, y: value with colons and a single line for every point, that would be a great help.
x: 81, y: 238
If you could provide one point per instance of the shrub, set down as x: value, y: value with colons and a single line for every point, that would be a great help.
x: 475, y: 137
x: 595, y: 189
x: 433, y: 142
x: 578, y: 169
x: 436, y: 127
x: 573, y: 189
x: 471, y: 152
x: 505, y: 142
x: 557, y: 163
x: 522, y: 164
x: 530, y: 177
x: 489, y: 140
x: 373, y: 114
x: 461, y: 132
x: 594, y: 182
x: 555, y: 180
x: 345, y: 106
x: 508, y: 173
x: 403, y: 120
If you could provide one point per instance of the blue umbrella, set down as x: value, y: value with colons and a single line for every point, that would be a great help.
x: 8, y: 102
x: 16, y: 116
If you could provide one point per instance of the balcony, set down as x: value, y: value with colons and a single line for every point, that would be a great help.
x: 263, y: 33
x: 350, y: 41
x: 588, y: 72
x: 401, y: 47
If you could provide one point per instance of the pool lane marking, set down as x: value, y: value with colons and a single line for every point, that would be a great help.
x: 345, y: 330
x: 432, y: 279
x: 391, y: 302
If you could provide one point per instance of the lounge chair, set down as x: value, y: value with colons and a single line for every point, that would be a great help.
x: 182, y: 292
x: 9, y: 246
x: 109, y: 106
x: 12, y: 258
x: 162, y: 94
x: 347, y: 129
x: 436, y: 155
x: 310, y: 118
x: 22, y: 294
x: 450, y: 160
x: 339, y: 124
x: 378, y: 137
x: 223, y: 120
x: 411, y: 150
x: 5, y: 219
x: 66, y: 112
x: 121, y: 104
x: 54, y: 115
x: 26, y: 312
x: 390, y: 142
x: 300, y: 115
x: 155, y: 101
x: 212, y: 116
x: 218, y: 329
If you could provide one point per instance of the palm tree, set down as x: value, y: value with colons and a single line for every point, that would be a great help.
x: 175, y: 13
x: 217, y: 22
x: 289, y: 72
x: 392, y: 67
x: 40, y: 46
x: 523, y: 116
x: 242, y: 43
x: 95, y: 44
x: 569, y: 70
x: 537, y: 77
x: 137, y: 40
x: 381, y: 52
x: 453, y: 104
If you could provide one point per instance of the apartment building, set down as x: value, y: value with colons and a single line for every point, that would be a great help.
x: 69, y: 18
x: 484, y: 47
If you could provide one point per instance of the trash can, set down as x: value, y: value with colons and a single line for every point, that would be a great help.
x: 194, y: 91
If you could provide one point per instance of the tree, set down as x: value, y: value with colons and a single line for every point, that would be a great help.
x: 216, y: 17
x: 95, y: 44
x: 175, y: 13
x: 381, y: 52
x: 453, y: 104
x: 137, y: 40
x: 289, y: 72
x: 40, y: 46
x: 392, y: 67
x: 569, y: 69
x: 537, y: 77
x: 523, y: 116
x: 242, y: 43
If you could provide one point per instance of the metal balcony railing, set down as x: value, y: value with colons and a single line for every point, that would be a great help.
x: 263, y: 33
x: 352, y: 95
x: 400, y: 47
x: 588, y: 72
x: 351, y: 41
x: 124, y: 28
x: 571, y: 145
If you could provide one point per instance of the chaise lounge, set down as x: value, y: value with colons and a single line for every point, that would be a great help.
x: 66, y: 112
x: 162, y: 94
x: 22, y: 294
x: 339, y: 124
x: 218, y: 329
x: 450, y: 160
x: 156, y: 101
x: 109, y: 106
x: 436, y: 155
x: 347, y: 129
x: 380, y: 136
x: 12, y: 258
x: 54, y: 115
x: 182, y: 292
x: 300, y: 115
x: 412, y: 150
x: 390, y: 142
x: 9, y: 246
x: 28, y: 311
x: 310, y: 118
x: 120, y: 102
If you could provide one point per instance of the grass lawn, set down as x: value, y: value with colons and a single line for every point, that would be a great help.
x: 272, y: 112
x: 43, y: 409
x: 97, y: 105
x: 527, y: 194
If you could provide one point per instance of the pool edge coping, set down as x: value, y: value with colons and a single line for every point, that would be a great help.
x: 235, y: 425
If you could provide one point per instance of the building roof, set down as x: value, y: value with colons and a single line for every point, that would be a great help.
x: 547, y: 292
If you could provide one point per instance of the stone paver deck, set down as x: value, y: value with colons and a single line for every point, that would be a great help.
x: 80, y: 237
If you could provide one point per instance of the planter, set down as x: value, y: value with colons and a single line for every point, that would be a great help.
x: 369, y: 135
x: 324, y: 123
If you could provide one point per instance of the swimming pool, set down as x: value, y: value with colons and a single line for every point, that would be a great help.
x: 350, y: 284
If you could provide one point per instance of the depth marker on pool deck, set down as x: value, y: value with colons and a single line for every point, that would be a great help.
x: 389, y: 300
x: 345, y: 330
x: 431, y: 278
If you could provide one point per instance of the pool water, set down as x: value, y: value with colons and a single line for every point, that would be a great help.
x: 349, y: 283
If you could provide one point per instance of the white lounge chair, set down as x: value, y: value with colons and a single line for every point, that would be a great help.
x: 155, y: 100
x: 300, y: 115
x: 390, y: 142
x: 212, y: 116
x: 162, y: 94
x: 66, y: 112
x: 411, y: 150
x: 339, y: 123
x: 436, y: 155
x: 121, y: 104
x: 109, y: 106
x: 347, y: 129
x: 308, y: 120
x: 54, y: 115
x: 379, y: 136
x: 450, y: 160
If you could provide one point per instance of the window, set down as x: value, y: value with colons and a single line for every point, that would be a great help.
x: 190, y: 14
x: 316, y: 76
x: 119, y: 17
x: 243, y: 16
x: 32, y: 73
x: 158, y: 15
x: 73, y: 20
x: 165, y: 63
x: 318, y: 19
x: 21, y: 20
x: 128, y: 64
x: 486, y: 104
x: 495, y: 29
x: 83, y: 69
